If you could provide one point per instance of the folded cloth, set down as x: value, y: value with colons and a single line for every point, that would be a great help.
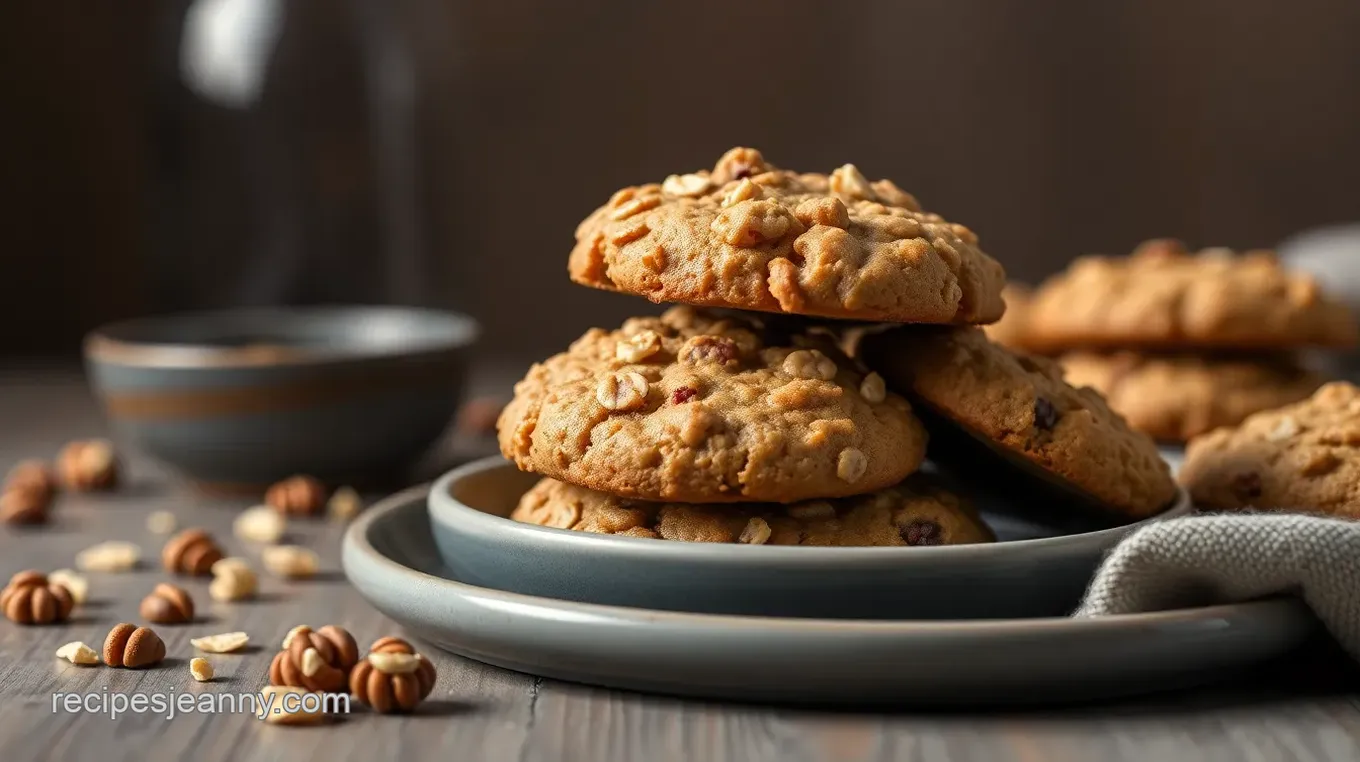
x: 1222, y: 558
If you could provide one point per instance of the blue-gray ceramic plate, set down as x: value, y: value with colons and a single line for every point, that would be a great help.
x: 1041, y: 567
x: 390, y: 556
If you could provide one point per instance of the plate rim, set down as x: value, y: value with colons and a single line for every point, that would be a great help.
x: 356, y: 545
x: 444, y: 508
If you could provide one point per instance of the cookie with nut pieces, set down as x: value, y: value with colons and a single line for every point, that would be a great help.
x: 1019, y: 407
x: 920, y: 511
x: 748, y: 235
x: 1302, y: 457
x: 698, y: 408
x: 1166, y: 297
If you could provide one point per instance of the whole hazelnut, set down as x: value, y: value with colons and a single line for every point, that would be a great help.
x: 191, y: 552
x: 318, y: 660
x: 23, y: 505
x: 392, y: 678
x: 133, y: 647
x: 88, y: 465
x: 30, y: 598
x: 168, y: 604
x: 299, y: 495
x: 32, y: 475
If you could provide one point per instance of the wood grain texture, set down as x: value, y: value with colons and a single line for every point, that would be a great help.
x: 1302, y: 708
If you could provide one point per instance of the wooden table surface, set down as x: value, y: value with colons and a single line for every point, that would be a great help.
x: 1300, y: 708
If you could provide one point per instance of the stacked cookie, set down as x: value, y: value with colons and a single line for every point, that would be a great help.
x: 739, y: 417
x: 1181, y: 343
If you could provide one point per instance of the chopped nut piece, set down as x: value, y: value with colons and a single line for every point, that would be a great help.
x: 286, y: 705
x: 638, y: 347
x: 260, y: 524
x: 344, y: 505
x: 201, y: 669
x: 78, y: 653
x: 222, y: 643
x: 290, y: 561
x: 809, y: 363
x: 687, y: 186
x: 851, y: 465
x: 850, y: 184
x: 634, y: 206
x: 394, y: 663
x: 233, y: 580
x: 756, y: 532
x: 622, y: 391
x: 161, y: 522
x: 745, y: 191
x: 110, y: 556
x: 77, y: 585
x: 873, y: 389
x: 1285, y: 429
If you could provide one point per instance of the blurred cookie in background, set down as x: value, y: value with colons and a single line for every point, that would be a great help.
x: 1009, y: 331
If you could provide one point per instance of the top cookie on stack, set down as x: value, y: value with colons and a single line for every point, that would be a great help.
x: 750, y: 236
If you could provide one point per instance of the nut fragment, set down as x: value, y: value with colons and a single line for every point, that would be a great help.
x: 201, y: 669
x: 24, y: 506
x: 687, y: 186
x: 286, y: 705
x: 161, y: 522
x: 233, y: 580
x: 78, y: 653
x: 872, y: 389
x: 191, y: 552
x: 77, y: 585
x: 809, y: 363
x: 223, y: 643
x: 289, y: 561
x: 850, y: 184
x: 260, y: 524
x: 30, y: 598
x: 393, y: 678
x: 1285, y: 429
x: 756, y: 532
x: 622, y: 391
x: 634, y: 206
x: 851, y: 465
x: 110, y: 556
x: 638, y: 347
x: 739, y: 163
x: 299, y: 495
x: 318, y: 660
x: 344, y: 504
x: 168, y: 604
x: 744, y: 191
x: 133, y: 647
x: 88, y: 465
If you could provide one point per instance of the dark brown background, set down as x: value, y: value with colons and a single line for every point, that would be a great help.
x: 1052, y: 128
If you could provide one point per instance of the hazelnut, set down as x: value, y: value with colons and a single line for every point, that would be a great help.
x: 222, y: 643
x: 745, y: 190
x: 233, y: 580
x: 851, y: 465
x: 32, y: 476
x: 872, y: 389
x: 289, y: 561
x: 622, y: 392
x: 344, y: 505
x: 110, y: 556
x: 30, y: 598
x: 850, y: 184
x: 200, y: 669
x: 686, y: 186
x: 161, y: 522
x: 260, y: 524
x: 133, y: 647
x: 305, y: 712
x: 299, y: 495
x: 318, y: 660
x: 809, y: 363
x: 78, y: 653
x: 191, y: 552
x: 392, y: 678
x: 21, y: 505
x: 638, y: 347
x: 756, y: 532
x: 88, y: 465
x: 168, y: 604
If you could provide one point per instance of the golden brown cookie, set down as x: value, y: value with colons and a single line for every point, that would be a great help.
x: 1163, y: 298
x: 696, y: 408
x: 919, y: 511
x: 1175, y: 397
x: 1303, y: 457
x: 751, y: 236
x: 1021, y: 404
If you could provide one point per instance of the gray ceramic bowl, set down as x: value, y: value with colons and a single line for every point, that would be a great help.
x: 1040, y: 576
x: 239, y: 399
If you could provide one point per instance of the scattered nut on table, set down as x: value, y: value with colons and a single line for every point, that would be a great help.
x: 110, y: 556
x: 78, y: 653
x: 201, y: 669
x: 168, y: 604
x: 260, y: 524
x: 77, y: 585
x: 222, y: 643
x: 30, y: 598
x: 298, y: 495
x: 191, y: 552
x: 88, y: 465
x: 290, y: 561
x: 344, y: 505
x: 22, y: 505
x: 392, y: 678
x: 33, y: 476
x: 161, y: 522
x: 272, y: 697
x: 318, y: 660
x: 233, y: 580
x: 133, y: 647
